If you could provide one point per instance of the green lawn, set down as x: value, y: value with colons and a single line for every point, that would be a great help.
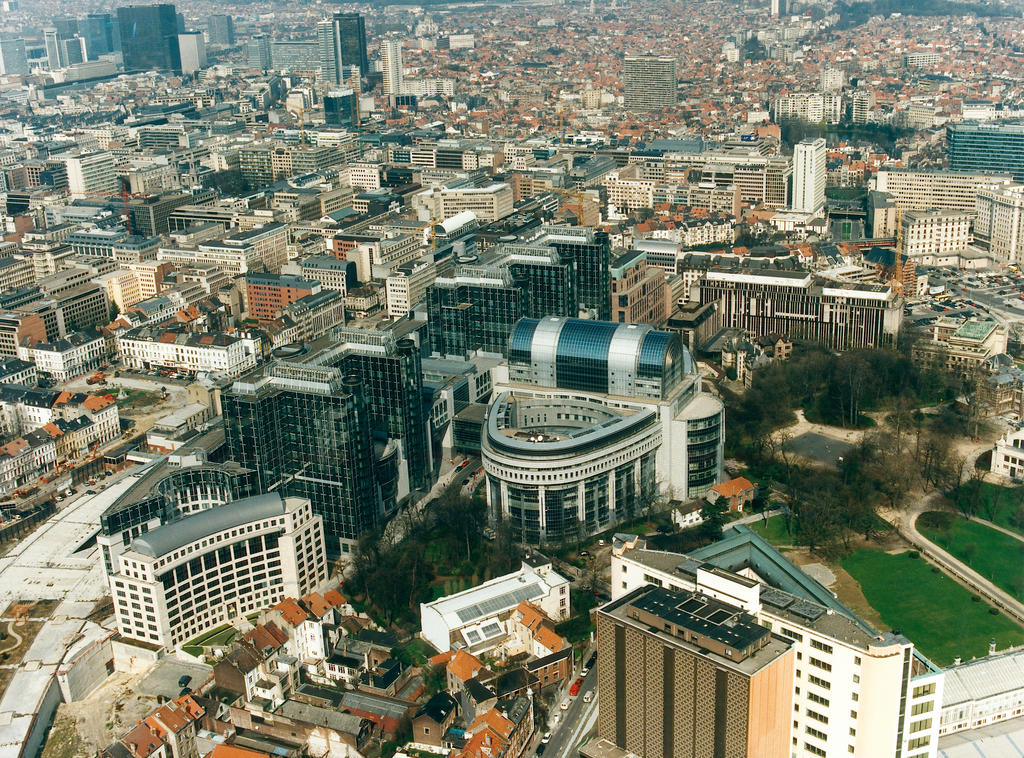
x: 996, y: 556
x: 929, y: 607
x: 774, y: 531
x: 1008, y: 502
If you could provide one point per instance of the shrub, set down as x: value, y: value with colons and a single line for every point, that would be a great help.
x: 914, y: 554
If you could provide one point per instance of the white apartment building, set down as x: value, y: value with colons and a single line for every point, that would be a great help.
x: 363, y: 176
x: 810, y: 174
x: 24, y: 459
x: 186, y: 577
x: 391, y: 65
x: 122, y: 288
x: 479, y: 619
x: 78, y: 422
x: 92, y: 174
x: 850, y: 692
x: 627, y: 191
x: 999, y: 219
x: 407, y: 285
x: 1008, y: 455
x: 68, y: 358
x: 148, y: 347
x: 490, y: 203
x: 809, y: 106
x: 933, y: 190
x: 932, y: 235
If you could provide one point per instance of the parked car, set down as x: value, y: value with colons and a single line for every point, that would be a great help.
x: 575, y: 689
x: 565, y: 704
x: 184, y: 680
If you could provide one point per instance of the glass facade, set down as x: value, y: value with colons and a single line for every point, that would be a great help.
x: 581, y: 358
x: 306, y: 432
x: 598, y: 356
x: 149, y: 37
x: 467, y: 316
x: 986, y: 148
x: 593, y: 273
x: 393, y: 387
x: 551, y: 286
x: 702, y: 445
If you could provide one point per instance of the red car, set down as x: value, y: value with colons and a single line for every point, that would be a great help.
x: 575, y: 689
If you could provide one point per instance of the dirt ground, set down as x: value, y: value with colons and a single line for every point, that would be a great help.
x: 845, y: 586
x: 84, y: 727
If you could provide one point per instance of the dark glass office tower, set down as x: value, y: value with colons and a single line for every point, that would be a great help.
x: 550, y: 280
x: 149, y: 37
x: 351, y: 30
x: 592, y: 252
x: 994, y: 148
x: 306, y: 431
x: 100, y: 34
x: 392, y: 381
x: 474, y: 310
x: 341, y: 108
x: 221, y: 28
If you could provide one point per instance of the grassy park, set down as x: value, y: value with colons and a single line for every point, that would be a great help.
x: 996, y: 556
x: 942, y: 618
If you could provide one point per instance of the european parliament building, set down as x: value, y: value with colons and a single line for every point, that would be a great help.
x: 594, y: 420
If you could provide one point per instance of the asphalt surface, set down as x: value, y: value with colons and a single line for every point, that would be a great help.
x: 575, y: 723
x: 819, y: 447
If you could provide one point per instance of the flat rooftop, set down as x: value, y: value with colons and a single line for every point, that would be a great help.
x: 709, y: 621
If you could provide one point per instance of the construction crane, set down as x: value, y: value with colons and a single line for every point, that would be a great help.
x: 575, y: 194
x: 125, y: 195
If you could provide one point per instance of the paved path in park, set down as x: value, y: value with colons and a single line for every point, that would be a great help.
x: 906, y: 524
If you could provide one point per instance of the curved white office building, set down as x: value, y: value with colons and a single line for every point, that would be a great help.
x: 596, y: 418
x: 182, y: 579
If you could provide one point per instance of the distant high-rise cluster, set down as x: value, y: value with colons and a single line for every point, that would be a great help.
x: 650, y: 82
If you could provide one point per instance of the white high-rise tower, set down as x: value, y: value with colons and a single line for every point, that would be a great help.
x: 391, y: 65
x: 809, y: 175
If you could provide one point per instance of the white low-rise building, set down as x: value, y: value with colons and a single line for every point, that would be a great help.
x: 182, y: 579
x: 983, y: 691
x: 479, y: 619
x: 66, y: 359
x: 146, y: 348
x: 1008, y: 456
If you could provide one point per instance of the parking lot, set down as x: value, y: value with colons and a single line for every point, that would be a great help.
x: 165, y: 677
x: 969, y: 294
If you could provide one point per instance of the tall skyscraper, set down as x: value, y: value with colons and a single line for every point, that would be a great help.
x: 992, y: 148
x: 809, y: 175
x: 306, y: 431
x: 779, y: 8
x: 592, y: 252
x: 342, y: 42
x: 100, y: 34
x: 192, y: 48
x: 683, y: 674
x: 650, y: 82
x: 13, y: 59
x: 221, y: 29
x: 350, y: 28
x: 391, y: 65
x: 51, y: 40
x: 258, y: 52
x: 149, y: 37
